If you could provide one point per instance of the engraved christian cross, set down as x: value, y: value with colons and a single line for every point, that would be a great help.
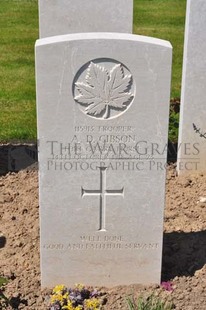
x: 103, y: 192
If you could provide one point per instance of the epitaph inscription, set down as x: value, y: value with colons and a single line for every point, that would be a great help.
x: 95, y: 246
x: 103, y: 88
x: 102, y: 193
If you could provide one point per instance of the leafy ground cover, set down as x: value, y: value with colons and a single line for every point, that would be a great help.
x: 19, y: 30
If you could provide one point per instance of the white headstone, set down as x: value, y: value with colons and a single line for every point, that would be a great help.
x: 192, y: 131
x: 103, y: 105
x: 57, y: 17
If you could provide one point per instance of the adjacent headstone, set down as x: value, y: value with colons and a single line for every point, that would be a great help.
x: 59, y: 17
x: 103, y: 106
x: 192, y: 131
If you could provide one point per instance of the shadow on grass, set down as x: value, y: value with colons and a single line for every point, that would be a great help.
x: 171, y: 152
x: 14, y: 158
x: 183, y: 254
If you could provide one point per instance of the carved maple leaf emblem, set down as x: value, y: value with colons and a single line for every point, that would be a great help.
x: 104, y: 90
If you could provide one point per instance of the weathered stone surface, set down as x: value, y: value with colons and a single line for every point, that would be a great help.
x: 192, y: 131
x: 57, y: 17
x: 103, y: 106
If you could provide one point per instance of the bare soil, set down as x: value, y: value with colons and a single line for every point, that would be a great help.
x: 184, y: 254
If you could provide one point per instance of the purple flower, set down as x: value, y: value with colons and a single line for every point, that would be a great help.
x: 94, y: 294
x: 168, y: 286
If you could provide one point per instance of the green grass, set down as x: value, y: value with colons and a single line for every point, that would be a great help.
x: 19, y: 30
x: 164, y: 19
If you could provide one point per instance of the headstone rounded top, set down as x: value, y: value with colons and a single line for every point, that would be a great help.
x: 103, y: 36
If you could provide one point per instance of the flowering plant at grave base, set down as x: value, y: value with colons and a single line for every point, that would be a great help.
x: 79, y: 298
x: 168, y: 286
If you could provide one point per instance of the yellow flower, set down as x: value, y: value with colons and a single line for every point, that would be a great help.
x: 59, y: 297
x: 92, y: 304
x: 56, y: 297
x: 59, y: 289
x: 70, y: 306
x: 78, y: 308
x: 79, y: 286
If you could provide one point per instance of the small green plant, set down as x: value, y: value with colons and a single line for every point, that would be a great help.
x: 150, y: 303
x: 4, y: 301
